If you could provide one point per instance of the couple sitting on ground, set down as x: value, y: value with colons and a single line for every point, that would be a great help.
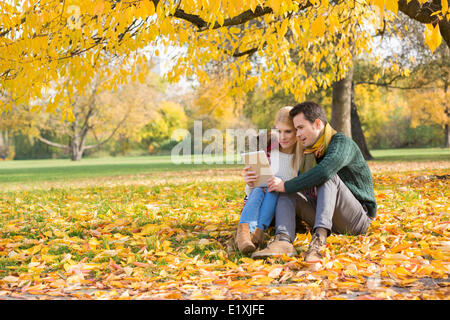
x: 320, y: 178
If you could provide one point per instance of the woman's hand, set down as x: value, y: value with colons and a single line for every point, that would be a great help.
x: 250, y: 176
x: 275, y: 184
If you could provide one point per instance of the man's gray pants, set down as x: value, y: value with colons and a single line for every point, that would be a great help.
x: 335, y: 209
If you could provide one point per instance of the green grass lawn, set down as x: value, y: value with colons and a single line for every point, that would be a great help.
x: 23, y: 171
x: 423, y: 154
x: 64, y: 169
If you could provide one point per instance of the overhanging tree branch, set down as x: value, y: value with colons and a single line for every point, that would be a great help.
x: 244, y: 53
x: 241, y: 18
x: 423, y: 13
x: 202, y: 25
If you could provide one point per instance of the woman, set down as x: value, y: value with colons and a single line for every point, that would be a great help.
x: 259, y: 207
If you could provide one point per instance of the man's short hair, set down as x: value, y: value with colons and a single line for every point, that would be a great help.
x: 310, y: 110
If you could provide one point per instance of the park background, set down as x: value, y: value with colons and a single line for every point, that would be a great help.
x: 92, y: 205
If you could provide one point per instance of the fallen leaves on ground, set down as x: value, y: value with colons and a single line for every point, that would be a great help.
x: 171, y: 241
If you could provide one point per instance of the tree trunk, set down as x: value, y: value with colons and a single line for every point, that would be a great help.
x: 77, y: 155
x: 76, y: 148
x: 447, y: 136
x: 341, y: 104
x: 76, y: 152
x: 357, y: 132
x: 447, y: 112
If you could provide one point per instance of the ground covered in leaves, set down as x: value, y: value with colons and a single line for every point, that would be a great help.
x: 167, y: 237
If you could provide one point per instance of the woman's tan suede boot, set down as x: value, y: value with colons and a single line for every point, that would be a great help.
x: 243, y: 239
x: 258, y: 238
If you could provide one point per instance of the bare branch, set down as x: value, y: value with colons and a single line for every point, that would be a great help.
x: 110, y: 136
x: 53, y: 144
x: 244, y: 53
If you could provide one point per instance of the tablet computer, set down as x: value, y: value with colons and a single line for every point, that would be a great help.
x: 258, y: 162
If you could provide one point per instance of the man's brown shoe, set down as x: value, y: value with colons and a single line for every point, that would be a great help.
x: 243, y: 239
x: 316, y: 245
x: 280, y: 245
x: 258, y: 238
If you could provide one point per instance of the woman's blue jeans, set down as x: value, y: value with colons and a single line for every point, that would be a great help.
x: 259, y: 209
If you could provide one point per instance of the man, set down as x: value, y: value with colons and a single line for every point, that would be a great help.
x: 332, y: 193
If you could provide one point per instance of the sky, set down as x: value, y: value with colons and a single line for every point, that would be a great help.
x: 164, y: 62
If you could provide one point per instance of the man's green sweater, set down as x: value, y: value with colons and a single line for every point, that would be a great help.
x: 343, y: 158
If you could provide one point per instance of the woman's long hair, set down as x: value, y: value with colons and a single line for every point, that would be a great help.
x: 283, y: 116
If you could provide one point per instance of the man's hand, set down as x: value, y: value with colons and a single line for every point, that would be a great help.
x: 275, y: 184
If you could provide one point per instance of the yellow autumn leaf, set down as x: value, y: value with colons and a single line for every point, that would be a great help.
x: 33, y: 250
x: 283, y: 28
x: 275, y: 5
x: 91, y: 266
x: 75, y: 279
x: 444, y: 4
x: 166, y: 245
x: 67, y: 267
x: 93, y: 242
x: 247, y: 260
x: 401, y: 271
x: 333, y: 21
x: 433, y: 37
x: 166, y: 27
x: 380, y: 5
x: 234, y: 30
x: 211, y: 227
x: 150, y: 229
x: 392, y: 5
x: 348, y: 284
x: 98, y: 10
x: 318, y: 27
x: 48, y: 258
x: 260, y: 281
x: 400, y: 247
x: 231, y: 264
x: 189, y: 249
x: 351, y: 272
x: 220, y: 18
x: 48, y: 233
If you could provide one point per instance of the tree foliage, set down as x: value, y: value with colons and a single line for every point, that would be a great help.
x: 158, y: 130
x: 416, y: 75
x: 19, y: 120
x: 100, y: 115
x: 309, y: 41
x: 215, y: 104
